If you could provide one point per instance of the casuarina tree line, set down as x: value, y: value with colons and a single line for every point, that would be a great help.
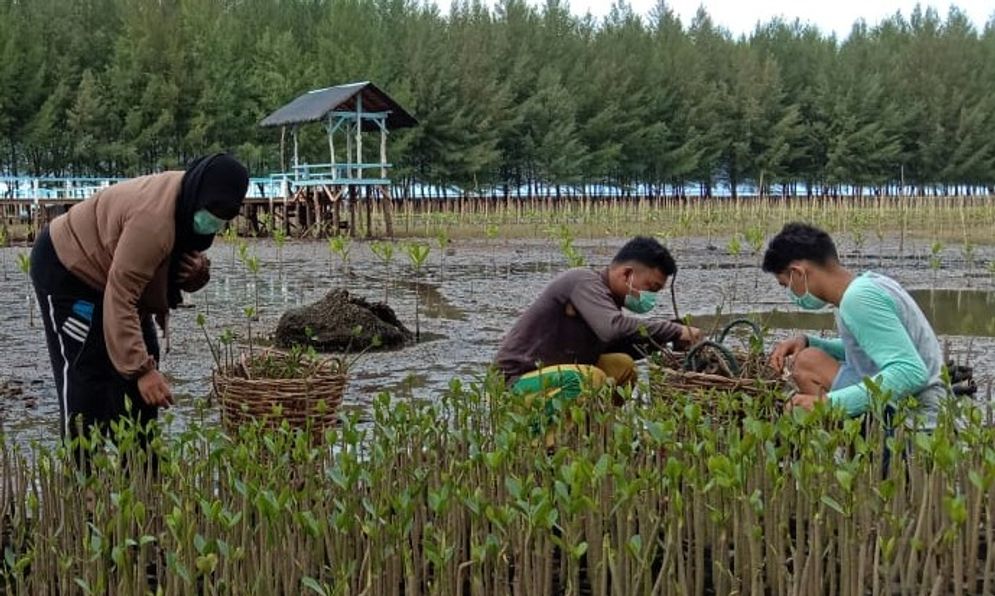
x: 508, y: 94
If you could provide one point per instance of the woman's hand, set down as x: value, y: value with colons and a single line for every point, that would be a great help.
x: 194, y: 271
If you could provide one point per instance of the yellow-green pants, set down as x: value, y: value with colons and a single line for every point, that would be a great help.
x: 567, y: 380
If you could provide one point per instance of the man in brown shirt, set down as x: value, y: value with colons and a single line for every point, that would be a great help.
x: 576, y: 333
x: 105, y: 268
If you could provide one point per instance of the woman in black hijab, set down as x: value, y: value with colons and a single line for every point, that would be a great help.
x: 113, y: 263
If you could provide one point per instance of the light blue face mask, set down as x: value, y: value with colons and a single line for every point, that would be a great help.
x: 641, y: 304
x: 206, y: 223
x: 806, y: 301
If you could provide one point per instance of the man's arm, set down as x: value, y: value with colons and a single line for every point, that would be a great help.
x: 595, y: 305
x: 833, y: 347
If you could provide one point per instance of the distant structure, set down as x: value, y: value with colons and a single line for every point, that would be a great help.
x: 352, y: 111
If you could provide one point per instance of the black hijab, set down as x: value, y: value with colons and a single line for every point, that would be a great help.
x: 217, y: 183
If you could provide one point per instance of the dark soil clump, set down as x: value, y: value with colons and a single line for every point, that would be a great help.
x: 340, y: 322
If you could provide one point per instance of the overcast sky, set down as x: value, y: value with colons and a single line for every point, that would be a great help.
x: 740, y: 16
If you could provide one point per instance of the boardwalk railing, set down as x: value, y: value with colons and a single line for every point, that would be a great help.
x: 61, y: 189
x: 283, y: 184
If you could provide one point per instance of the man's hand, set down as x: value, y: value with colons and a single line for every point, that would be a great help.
x: 155, y: 389
x: 690, y: 335
x: 788, y: 347
x: 805, y: 401
x: 194, y: 271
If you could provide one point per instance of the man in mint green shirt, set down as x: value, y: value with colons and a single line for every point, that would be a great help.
x: 883, y: 334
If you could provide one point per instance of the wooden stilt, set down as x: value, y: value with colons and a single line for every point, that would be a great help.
x: 369, y: 212
x: 352, y: 211
x: 388, y: 210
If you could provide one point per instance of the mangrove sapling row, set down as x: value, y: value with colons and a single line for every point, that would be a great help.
x: 461, y: 496
x: 906, y: 217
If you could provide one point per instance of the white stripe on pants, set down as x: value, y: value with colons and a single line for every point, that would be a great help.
x: 65, y: 366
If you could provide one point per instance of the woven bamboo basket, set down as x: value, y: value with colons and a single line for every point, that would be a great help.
x: 310, y: 401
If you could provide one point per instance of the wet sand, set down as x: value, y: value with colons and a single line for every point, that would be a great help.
x: 467, y: 301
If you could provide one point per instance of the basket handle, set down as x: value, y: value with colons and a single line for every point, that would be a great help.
x: 757, y: 333
x: 691, y: 358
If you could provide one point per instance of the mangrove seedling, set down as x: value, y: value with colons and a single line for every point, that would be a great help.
x: 385, y: 252
x: 250, y: 315
x: 264, y: 224
x: 967, y: 250
x: 572, y: 255
x: 252, y: 264
x: 202, y: 323
x: 857, y: 232
x: 936, y: 259
x: 340, y: 247
x: 442, y: 239
x: 734, y: 248
x: 755, y: 239
x: 230, y: 236
x: 280, y: 238
x: 418, y: 255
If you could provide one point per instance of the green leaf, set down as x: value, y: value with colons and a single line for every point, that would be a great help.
x: 833, y: 504
x: 206, y: 564
x: 313, y: 585
x: 514, y: 486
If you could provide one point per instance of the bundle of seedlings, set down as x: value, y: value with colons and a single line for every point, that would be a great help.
x: 709, y: 367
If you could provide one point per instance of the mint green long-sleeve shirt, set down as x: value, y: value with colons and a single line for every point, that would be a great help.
x: 883, y: 334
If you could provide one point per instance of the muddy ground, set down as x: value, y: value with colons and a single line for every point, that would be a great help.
x: 467, y: 300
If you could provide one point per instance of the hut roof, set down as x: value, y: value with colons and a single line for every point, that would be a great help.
x: 314, y: 105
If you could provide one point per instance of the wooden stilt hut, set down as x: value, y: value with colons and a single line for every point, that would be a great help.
x: 313, y: 194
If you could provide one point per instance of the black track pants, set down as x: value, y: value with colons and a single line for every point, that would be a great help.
x: 90, y: 391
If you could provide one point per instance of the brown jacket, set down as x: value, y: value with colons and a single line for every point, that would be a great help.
x: 119, y: 241
x: 575, y: 320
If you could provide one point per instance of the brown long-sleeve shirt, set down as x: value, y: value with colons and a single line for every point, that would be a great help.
x: 549, y: 333
x: 119, y: 242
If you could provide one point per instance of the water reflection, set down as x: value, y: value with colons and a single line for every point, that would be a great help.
x: 951, y: 312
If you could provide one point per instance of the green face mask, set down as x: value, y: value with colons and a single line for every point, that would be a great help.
x: 806, y: 301
x: 641, y: 304
x: 206, y: 223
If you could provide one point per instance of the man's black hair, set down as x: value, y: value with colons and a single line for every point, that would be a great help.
x: 647, y: 251
x: 797, y: 241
